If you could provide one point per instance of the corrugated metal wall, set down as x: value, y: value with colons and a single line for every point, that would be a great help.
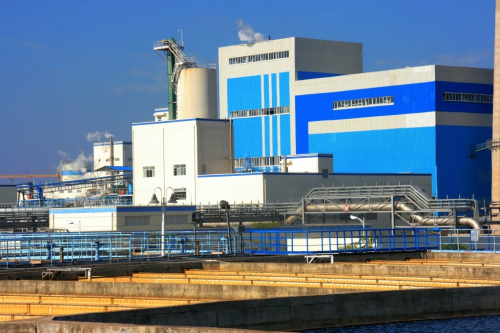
x: 244, y: 93
x: 301, y: 75
x: 458, y: 174
x: 247, y: 137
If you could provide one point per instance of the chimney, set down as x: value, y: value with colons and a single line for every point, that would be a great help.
x: 111, y: 151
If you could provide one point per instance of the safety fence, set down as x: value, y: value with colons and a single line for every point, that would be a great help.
x: 30, y: 248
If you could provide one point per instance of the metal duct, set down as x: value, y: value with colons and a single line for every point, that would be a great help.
x: 421, y: 220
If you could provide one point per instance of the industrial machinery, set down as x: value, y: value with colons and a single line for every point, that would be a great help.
x: 192, y: 86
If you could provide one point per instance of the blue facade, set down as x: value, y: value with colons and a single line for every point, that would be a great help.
x: 247, y: 137
x: 244, y: 93
x: 313, y: 75
x: 442, y: 151
x: 286, y: 148
x: 274, y: 90
x: 458, y: 174
x: 404, y: 150
x: 284, y: 89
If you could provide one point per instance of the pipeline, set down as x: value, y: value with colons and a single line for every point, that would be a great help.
x: 465, y: 221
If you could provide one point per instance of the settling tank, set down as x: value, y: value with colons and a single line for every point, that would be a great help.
x: 197, y: 93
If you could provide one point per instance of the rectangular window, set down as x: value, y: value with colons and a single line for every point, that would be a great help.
x: 78, y: 191
x: 259, y: 57
x: 148, y: 172
x: 130, y: 158
x: 180, y: 193
x: 325, y: 173
x: 180, y: 170
x: 260, y: 112
x: 468, y: 98
x: 117, y: 159
x: 363, y: 102
x: 70, y: 191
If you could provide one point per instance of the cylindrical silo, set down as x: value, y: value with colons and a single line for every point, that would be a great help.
x: 197, y: 93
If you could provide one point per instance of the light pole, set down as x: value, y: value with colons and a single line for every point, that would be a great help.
x: 190, y: 196
x: 79, y: 224
x: 353, y: 217
x: 155, y: 201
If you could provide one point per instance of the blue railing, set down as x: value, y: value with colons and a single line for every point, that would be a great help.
x: 87, y: 247
x: 339, y: 241
x: 466, y: 240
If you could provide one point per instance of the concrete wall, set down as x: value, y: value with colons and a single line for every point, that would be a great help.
x: 293, y: 313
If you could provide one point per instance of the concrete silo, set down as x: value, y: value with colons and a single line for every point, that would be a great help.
x: 197, y: 93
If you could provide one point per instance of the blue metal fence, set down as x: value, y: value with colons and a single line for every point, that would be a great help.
x: 26, y: 248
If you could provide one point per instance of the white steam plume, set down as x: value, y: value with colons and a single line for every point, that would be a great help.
x: 108, y: 135
x: 94, y: 136
x: 246, y: 33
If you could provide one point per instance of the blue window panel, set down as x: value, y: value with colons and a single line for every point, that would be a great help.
x: 247, y: 137
x: 313, y: 75
x: 275, y: 135
x: 266, y: 136
x: 275, y: 91
x: 244, y: 93
x: 408, y: 150
x: 284, y: 89
x: 441, y: 87
x: 285, y: 134
x: 458, y: 174
x: 266, y: 90
x: 410, y: 98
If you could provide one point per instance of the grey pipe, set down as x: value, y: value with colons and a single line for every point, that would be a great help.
x: 465, y: 221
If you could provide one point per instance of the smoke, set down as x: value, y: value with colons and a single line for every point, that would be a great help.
x: 96, y: 136
x: 64, y: 155
x: 81, y: 164
x: 246, y: 33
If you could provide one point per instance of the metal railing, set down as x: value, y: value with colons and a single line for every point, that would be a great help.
x: 412, y: 192
x: 463, y: 240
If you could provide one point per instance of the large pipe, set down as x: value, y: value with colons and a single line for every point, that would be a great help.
x: 385, y: 207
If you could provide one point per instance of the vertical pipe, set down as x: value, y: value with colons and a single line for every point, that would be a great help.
x: 111, y: 152
x: 495, y: 153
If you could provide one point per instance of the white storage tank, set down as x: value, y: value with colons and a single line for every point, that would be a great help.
x: 197, y: 94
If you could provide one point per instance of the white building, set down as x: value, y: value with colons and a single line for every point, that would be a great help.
x: 172, y: 154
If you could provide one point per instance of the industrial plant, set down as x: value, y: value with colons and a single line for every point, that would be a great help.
x: 258, y: 177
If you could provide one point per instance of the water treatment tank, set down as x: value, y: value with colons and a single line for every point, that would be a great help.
x: 197, y: 93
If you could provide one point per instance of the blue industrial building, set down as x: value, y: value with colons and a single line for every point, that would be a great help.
x: 301, y: 96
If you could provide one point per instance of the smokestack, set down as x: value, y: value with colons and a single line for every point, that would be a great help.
x: 495, y: 152
x: 111, y: 151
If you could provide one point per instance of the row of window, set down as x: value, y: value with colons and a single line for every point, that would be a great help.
x: 149, y: 171
x: 259, y: 57
x: 71, y: 191
x: 117, y: 159
x: 465, y: 97
x: 260, y: 112
x: 363, y: 102
x: 256, y: 161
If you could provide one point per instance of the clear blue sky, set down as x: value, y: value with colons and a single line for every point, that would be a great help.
x: 72, y: 67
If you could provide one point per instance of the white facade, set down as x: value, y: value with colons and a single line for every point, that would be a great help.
x: 314, y: 163
x: 171, y: 155
x: 290, y: 187
x: 120, y: 218
x: 122, y: 154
